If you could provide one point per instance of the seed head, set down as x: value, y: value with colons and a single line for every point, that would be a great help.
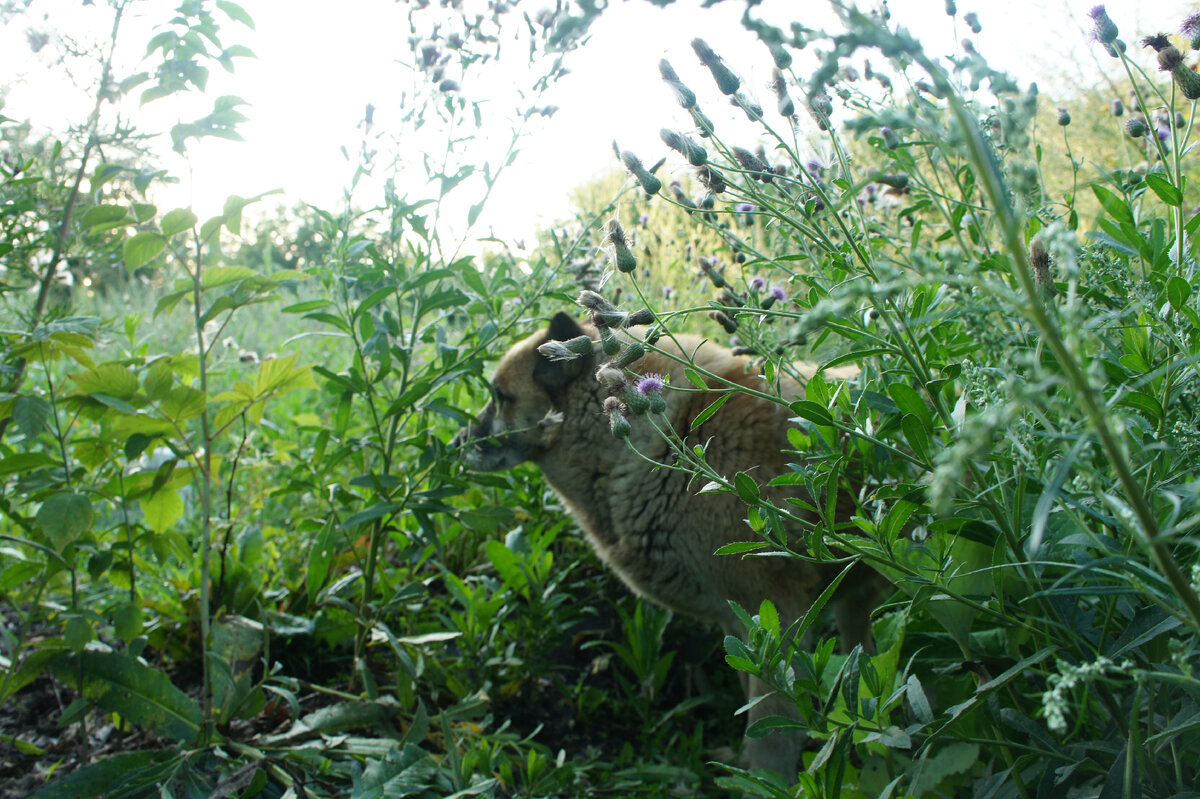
x: 972, y: 20
x: 712, y: 180
x: 703, y: 123
x: 1171, y: 60
x: 758, y: 284
x: 951, y: 8
x: 1158, y: 41
x: 622, y: 257
x: 1064, y: 117
x: 618, y: 424
x: 685, y: 145
x: 681, y: 197
x: 820, y: 106
x: 727, y: 82
x: 566, y: 350
x: 1104, y: 30
x: 685, y: 96
x: 751, y: 163
x: 779, y: 86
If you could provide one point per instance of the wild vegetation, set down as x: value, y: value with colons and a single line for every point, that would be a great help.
x: 240, y: 557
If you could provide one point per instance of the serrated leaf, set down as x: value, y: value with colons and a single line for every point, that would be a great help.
x: 746, y: 488
x: 1178, y: 292
x: 64, y: 517
x: 30, y: 414
x: 177, y: 221
x: 24, y: 462
x: 1165, y: 190
x: 142, y: 248
x: 122, y: 684
x: 110, y: 379
x: 104, y: 217
x: 158, y: 380
x: 126, y: 774
x: 224, y: 275
x: 162, y: 509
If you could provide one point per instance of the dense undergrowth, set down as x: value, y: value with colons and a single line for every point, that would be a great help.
x: 240, y: 557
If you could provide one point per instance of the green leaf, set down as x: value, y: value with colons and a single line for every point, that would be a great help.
x: 768, y: 617
x: 24, y: 462
x: 708, y: 412
x: 917, y: 700
x: 120, y: 775
x: 177, y: 221
x: 104, y: 217
x: 747, y: 489
x: 64, y: 517
x: 162, y: 509
x: 807, y: 409
x: 30, y: 414
x: 1116, y: 206
x: 111, y: 379
x: 122, y: 684
x: 1178, y: 292
x: 127, y: 621
x: 77, y: 633
x: 695, y: 379
x: 402, y: 772
x: 1166, y: 192
x: 142, y: 248
x: 741, y: 547
x: 224, y: 275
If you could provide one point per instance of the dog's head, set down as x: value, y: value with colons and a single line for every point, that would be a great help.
x: 526, y: 412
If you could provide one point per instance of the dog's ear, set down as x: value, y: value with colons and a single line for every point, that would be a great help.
x: 555, y: 375
x: 563, y: 327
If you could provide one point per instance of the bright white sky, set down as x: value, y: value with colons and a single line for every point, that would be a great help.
x: 317, y: 69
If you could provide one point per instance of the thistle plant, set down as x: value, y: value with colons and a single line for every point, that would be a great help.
x: 990, y: 438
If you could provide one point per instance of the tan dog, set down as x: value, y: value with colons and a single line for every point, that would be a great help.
x: 655, y: 531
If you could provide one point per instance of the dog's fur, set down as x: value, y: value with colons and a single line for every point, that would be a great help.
x: 647, y: 523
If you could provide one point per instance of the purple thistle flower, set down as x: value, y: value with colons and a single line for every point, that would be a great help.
x: 758, y: 284
x: 650, y: 384
x: 778, y: 293
x: 744, y: 208
x: 1191, y: 28
x: 644, y: 219
x: 813, y: 167
x: 1104, y: 30
x: 1164, y: 133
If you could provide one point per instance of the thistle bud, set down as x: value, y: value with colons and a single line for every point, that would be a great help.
x: 709, y: 268
x: 685, y: 146
x: 779, y: 86
x: 622, y: 257
x: 619, y: 425
x: 820, y: 106
x: 753, y: 110
x: 890, y: 140
x: 751, y: 163
x: 781, y: 57
x: 702, y: 121
x: 1118, y: 108
x: 1135, y: 127
x: 972, y: 20
x: 685, y: 96
x: 727, y: 82
x: 712, y: 180
x: 1039, y: 262
x: 643, y: 316
x: 951, y: 8
x: 634, y: 351
x: 897, y: 181
x: 723, y: 319
x: 566, y: 350
x: 609, y: 342
x: 594, y: 302
x: 1064, y: 117
x: 637, y: 402
x: 649, y: 183
x: 1104, y: 30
